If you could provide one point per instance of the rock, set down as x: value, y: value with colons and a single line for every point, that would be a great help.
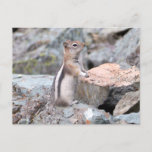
x: 128, y: 103
x: 104, y: 35
x: 95, y: 89
x: 123, y: 51
x: 91, y: 94
x: 30, y: 94
x: 132, y: 118
x: 32, y: 86
x: 68, y: 112
x: 95, y: 116
x: 38, y: 62
x: 134, y: 58
x: 27, y: 112
x: 126, y: 47
x: 115, y: 94
x: 110, y: 74
x: 49, y: 115
x: 76, y: 114
x: 59, y: 115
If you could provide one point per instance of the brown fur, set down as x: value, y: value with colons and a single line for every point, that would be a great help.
x: 72, y: 69
x: 70, y: 58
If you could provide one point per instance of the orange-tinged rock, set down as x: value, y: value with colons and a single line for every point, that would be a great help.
x: 95, y: 89
x: 110, y: 74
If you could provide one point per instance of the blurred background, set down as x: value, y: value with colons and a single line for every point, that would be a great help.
x: 40, y: 50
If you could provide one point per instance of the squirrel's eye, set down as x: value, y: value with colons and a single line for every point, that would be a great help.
x: 75, y: 45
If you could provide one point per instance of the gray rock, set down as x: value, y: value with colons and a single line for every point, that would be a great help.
x: 30, y: 94
x: 68, y: 112
x: 32, y: 86
x: 132, y: 118
x: 128, y: 103
x: 134, y: 58
x: 95, y: 116
x: 125, y: 51
x: 116, y: 93
x: 125, y: 47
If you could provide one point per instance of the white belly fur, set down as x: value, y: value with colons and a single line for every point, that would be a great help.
x: 67, y: 88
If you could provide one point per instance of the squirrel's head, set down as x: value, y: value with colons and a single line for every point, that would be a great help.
x: 73, y: 47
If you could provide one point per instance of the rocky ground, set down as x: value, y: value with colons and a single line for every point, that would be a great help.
x: 111, y: 94
x: 32, y: 98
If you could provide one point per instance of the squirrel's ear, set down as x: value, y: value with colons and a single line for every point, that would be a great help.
x: 65, y: 44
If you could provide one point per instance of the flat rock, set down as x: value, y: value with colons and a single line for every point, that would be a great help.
x: 129, y: 102
x: 110, y: 74
x: 132, y: 118
x: 32, y: 85
x: 94, y: 90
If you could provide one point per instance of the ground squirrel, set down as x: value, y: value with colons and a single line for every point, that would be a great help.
x: 65, y: 80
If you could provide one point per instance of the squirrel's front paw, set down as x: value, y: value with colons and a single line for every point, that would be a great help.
x: 84, y: 74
